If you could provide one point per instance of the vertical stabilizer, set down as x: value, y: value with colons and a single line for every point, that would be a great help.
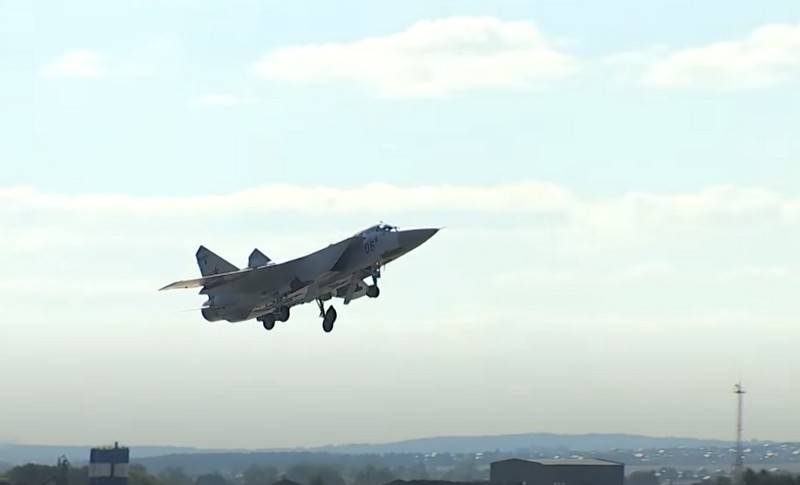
x: 257, y: 259
x: 211, y: 264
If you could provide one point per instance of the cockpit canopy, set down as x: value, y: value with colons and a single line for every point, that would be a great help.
x: 379, y: 228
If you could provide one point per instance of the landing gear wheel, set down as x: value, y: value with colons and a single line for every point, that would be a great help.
x: 373, y: 291
x: 282, y: 314
x: 328, y: 321
x: 268, y: 322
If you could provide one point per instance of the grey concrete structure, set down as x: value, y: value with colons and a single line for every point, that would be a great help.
x: 557, y: 472
x: 109, y: 466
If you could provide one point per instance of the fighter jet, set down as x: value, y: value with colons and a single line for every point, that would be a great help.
x: 266, y: 290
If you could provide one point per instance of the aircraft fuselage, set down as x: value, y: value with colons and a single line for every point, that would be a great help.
x: 338, y: 271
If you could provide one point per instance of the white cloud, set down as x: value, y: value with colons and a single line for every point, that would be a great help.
x: 78, y: 63
x: 222, y: 100
x: 536, y: 213
x: 759, y: 273
x: 645, y: 272
x: 769, y: 55
x: 500, y: 276
x: 720, y: 204
x: 430, y: 58
x: 53, y: 284
x: 530, y: 197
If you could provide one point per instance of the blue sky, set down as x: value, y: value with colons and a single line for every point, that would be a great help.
x: 138, y: 132
x: 619, y: 181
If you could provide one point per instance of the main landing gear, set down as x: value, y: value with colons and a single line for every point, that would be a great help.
x: 279, y: 315
x: 328, y: 316
x: 268, y: 321
x: 282, y: 314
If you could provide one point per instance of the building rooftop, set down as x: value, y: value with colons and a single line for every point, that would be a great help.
x: 571, y: 462
x: 115, y: 446
x: 436, y: 482
x: 285, y: 481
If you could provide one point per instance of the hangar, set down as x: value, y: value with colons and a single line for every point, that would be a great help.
x: 557, y: 472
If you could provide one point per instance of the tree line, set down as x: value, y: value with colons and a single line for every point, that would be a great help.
x: 326, y: 474
x: 763, y: 477
x: 304, y: 474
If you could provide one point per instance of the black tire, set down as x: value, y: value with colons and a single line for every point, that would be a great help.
x: 268, y: 323
x: 373, y: 291
x: 329, y: 320
x: 283, y: 314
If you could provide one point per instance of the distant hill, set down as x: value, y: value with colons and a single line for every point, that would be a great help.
x: 513, y: 442
x: 403, y: 453
x: 232, y: 463
x: 158, y: 456
x: 13, y: 454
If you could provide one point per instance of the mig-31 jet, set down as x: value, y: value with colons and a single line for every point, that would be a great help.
x: 266, y: 290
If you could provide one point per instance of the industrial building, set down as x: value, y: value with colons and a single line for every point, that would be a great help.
x: 109, y: 465
x: 557, y: 472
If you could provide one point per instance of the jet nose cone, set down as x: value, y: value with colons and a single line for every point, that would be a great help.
x: 415, y: 237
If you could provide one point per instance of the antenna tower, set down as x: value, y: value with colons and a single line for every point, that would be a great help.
x: 738, y: 464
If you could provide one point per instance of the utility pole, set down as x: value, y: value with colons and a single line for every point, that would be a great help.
x: 62, y: 476
x: 738, y: 464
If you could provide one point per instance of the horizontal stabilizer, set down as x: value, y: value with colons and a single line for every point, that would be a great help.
x: 258, y: 259
x: 211, y: 264
x: 207, y: 281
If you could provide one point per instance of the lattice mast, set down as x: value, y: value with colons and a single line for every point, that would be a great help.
x: 738, y: 463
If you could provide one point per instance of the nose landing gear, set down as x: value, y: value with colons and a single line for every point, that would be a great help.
x: 373, y: 291
x: 328, y: 316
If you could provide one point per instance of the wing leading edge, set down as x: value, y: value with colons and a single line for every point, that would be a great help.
x: 307, y: 267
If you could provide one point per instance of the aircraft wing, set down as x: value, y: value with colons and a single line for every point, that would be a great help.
x: 274, y: 277
x: 214, y: 280
x: 290, y: 275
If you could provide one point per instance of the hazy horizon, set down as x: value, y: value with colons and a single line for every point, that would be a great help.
x: 312, y: 447
x: 619, y: 187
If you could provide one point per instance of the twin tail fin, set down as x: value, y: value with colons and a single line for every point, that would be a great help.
x: 211, y: 264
